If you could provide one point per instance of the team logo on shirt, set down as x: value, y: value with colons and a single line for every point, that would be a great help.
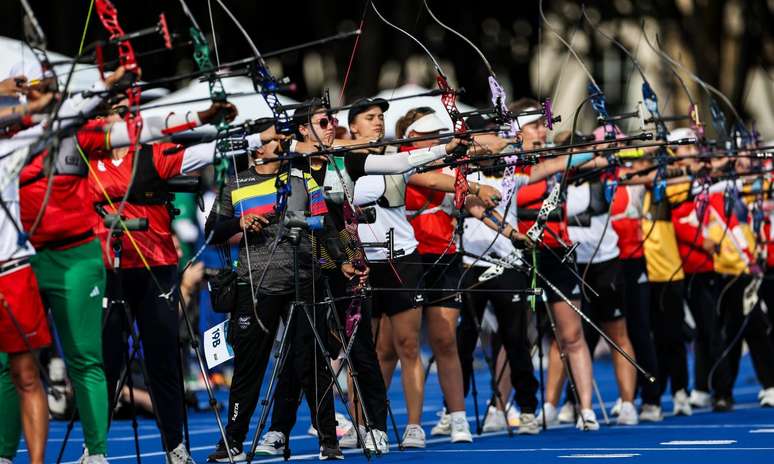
x: 576, y: 290
x: 101, y: 166
x: 244, y: 322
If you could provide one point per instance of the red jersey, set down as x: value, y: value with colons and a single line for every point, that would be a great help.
x: 432, y: 220
x: 626, y: 219
x: 531, y: 197
x: 690, y: 236
x: 155, y: 243
x: 68, y: 218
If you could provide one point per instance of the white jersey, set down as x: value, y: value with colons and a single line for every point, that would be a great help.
x: 10, y: 165
x: 368, y: 189
x: 578, y: 200
x: 478, y: 238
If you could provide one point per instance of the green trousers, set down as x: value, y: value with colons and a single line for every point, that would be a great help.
x: 72, y: 283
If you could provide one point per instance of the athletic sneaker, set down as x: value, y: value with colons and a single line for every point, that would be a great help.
x: 494, y: 420
x: 528, y: 424
x: 651, y: 413
x: 221, y: 455
x: 512, y: 414
x: 443, y: 427
x: 700, y: 399
x: 382, y: 443
x: 616, y: 409
x: 587, y: 421
x: 627, y: 414
x: 179, y: 455
x: 567, y: 413
x: 460, y: 430
x: 342, y: 426
x: 5, y: 461
x: 272, y: 444
x: 766, y: 397
x: 349, y: 439
x: 85, y: 459
x: 552, y: 418
x: 414, y: 436
x: 330, y: 453
x: 682, y: 406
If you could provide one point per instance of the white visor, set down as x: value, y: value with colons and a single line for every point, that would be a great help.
x: 528, y: 118
x: 681, y: 133
x: 426, y: 124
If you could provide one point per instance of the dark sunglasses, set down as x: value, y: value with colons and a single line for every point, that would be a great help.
x: 323, y: 122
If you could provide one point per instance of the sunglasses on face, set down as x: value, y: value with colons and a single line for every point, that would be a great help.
x: 324, y: 122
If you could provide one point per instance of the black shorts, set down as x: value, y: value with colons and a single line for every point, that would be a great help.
x: 607, y: 279
x: 558, y: 273
x: 404, y: 272
x: 442, y: 271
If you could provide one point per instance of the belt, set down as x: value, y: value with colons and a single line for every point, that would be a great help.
x: 13, y: 264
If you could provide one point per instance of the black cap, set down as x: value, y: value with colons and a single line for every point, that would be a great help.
x: 361, y: 105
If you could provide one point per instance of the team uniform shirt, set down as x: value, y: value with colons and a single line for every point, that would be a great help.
x: 690, y: 232
x: 155, y: 244
x: 531, y: 197
x: 430, y: 214
x: 10, y: 248
x: 626, y: 220
x: 728, y: 225
x: 368, y: 189
x: 477, y: 237
x: 599, y: 241
x: 68, y: 213
x: 662, y: 257
x: 252, y: 193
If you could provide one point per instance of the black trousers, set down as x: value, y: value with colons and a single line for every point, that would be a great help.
x: 158, y: 323
x: 638, y: 325
x: 767, y: 296
x: 755, y: 334
x: 511, y: 312
x: 667, y: 315
x: 701, y: 293
x: 304, y: 361
x: 365, y: 365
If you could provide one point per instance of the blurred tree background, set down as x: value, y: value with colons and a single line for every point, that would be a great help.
x: 727, y: 43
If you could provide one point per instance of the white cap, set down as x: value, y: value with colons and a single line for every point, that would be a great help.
x: 28, y: 68
x: 426, y: 124
x: 681, y: 133
x: 528, y: 118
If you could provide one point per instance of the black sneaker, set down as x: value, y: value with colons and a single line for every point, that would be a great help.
x: 221, y: 455
x: 722, y: 404
x: 330, y: 452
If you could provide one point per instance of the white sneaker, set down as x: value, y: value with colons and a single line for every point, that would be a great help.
x: 700, y: 399
x: 443, y: 427
x: 494, y: 420
x: 767, y: 398
x: 414, y: 436
x: 95, y: 459
x: 567, y: 413
x: 587, y: 421
x: 682, y: 406
x: 616, y: 409
x: 552, y: 418
x: 349, y: 439
x: 382, y: 445
x: 460, y: 430
x: 512, y: 415
x: 5, y: 461
x: 343, y: 425
x: 627, y: 414
x: 179, y: 455
x: 651, y: 413
x: 272, y: 444
x: 528, y: 424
